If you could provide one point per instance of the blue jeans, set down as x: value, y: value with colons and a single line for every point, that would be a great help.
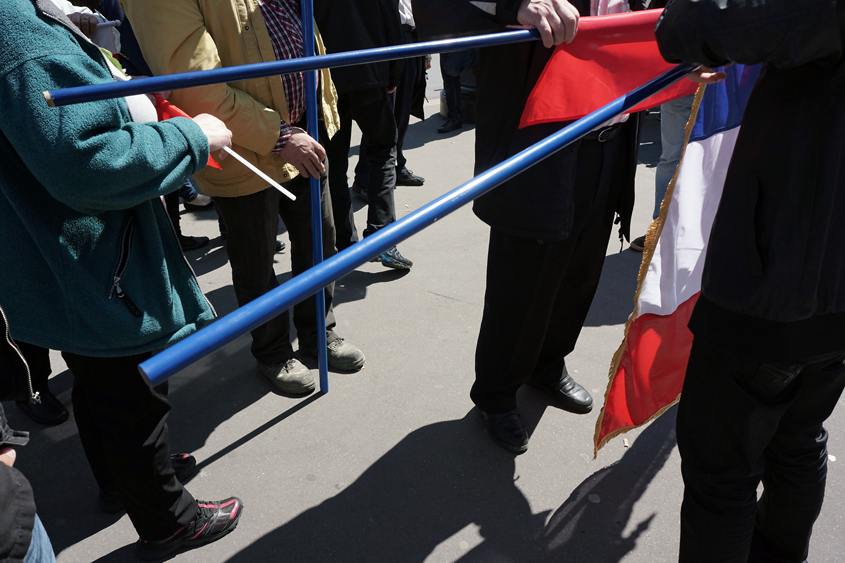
x: 673, y: 121
x: 40, y: 548
x: 187, y: 192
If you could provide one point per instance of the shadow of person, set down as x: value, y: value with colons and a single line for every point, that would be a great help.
x: 353, y: 286
x: 421, y: 132
x: 446, y: 476
x: 431, y: 485
x: 591, y: 524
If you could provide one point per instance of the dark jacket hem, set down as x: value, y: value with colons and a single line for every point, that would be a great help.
x: 762, y: 339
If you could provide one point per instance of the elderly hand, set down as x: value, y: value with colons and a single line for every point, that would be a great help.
x: 305, y: 153
x: 217, y: 133
x: 556, y: 20
x: 87, y: 23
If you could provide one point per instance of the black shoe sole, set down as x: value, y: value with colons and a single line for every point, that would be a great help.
x: 394, y: 265
x: 149, y: 555
x: 568, y: 407
x: 414, y: 183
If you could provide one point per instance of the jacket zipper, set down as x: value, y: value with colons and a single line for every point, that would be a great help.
x: 33, y: 396
x: 188, y: 264
x: 122, y: 263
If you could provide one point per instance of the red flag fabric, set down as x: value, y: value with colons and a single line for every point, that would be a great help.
x: 166, y: 110
x: 609, y: 57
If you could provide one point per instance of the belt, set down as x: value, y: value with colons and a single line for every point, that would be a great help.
x: 604, y: 134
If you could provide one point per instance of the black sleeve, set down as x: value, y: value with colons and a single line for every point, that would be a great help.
x: 441, y: 19
x: 786, y: 33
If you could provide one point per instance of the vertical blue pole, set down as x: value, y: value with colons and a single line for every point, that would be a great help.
x: 316, y: 207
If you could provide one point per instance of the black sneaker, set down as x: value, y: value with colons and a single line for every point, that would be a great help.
x: 212, y: 521
x: 407, y: 177
x: 184, y: 465
x: 192, y: 243
x: 391, y: 258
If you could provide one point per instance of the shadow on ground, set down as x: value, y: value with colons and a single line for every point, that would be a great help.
x: 65, y: 490
x: 353, y: 286
x: 448, y: 475
x: 421, y: 132
x: 614, y: 300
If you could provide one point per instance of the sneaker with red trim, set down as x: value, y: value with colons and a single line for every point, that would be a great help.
x: 212, y: 521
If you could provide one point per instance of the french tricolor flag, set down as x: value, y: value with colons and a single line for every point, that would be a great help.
x: 647, y: 371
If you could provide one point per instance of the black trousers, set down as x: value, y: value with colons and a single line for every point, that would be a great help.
x: 539, y: 292
x: 372, y: 110
x: 740, y: 422
x: 122, y: 423
x: 252, y: 222
x: 402, y: 100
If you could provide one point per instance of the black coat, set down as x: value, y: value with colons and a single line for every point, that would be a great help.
x: 538, y: 203
x: 351, y: 25
x: 17, y: 506
x: 774, y: 275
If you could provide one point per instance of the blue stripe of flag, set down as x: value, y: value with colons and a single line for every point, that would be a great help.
x: 724, y: 103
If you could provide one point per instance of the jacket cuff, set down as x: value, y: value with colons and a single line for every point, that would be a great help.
x: 285, y: 131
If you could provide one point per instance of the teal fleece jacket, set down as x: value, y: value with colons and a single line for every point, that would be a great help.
x: 90, y: 263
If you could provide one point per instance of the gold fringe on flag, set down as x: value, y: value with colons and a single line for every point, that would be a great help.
x: 651, y: 237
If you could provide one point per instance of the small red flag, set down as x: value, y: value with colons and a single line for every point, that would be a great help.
x: 609, y: 57
x: 166, y: 110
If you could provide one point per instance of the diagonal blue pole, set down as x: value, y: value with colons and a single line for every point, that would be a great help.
x: 108, y: 90
x: 314, y: 185
x: 160, y: 367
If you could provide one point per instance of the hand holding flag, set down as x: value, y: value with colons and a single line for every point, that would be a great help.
x: 610, y: 56
x: 216, y: 140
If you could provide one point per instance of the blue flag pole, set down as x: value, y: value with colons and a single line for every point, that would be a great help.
x: 314, y: 184
x: 311, y: 62
x: 160, y: 367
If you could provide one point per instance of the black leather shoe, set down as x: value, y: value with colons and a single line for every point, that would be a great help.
x: 567, y: 394
x: 450, y: 126
x: 50, y: 411
x: 407, y: 177
x: 507, y: 430
x: 280, y: 246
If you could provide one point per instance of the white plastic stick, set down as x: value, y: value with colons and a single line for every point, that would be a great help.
x: 260, y: 173
x: 112, y: 23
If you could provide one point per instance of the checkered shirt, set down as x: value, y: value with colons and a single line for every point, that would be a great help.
x: 284, y: 22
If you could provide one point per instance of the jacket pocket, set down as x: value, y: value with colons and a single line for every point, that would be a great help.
x: 120, y: 268
x: 751, y: 228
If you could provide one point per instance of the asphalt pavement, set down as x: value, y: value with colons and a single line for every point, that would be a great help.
x: 394, y: 464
